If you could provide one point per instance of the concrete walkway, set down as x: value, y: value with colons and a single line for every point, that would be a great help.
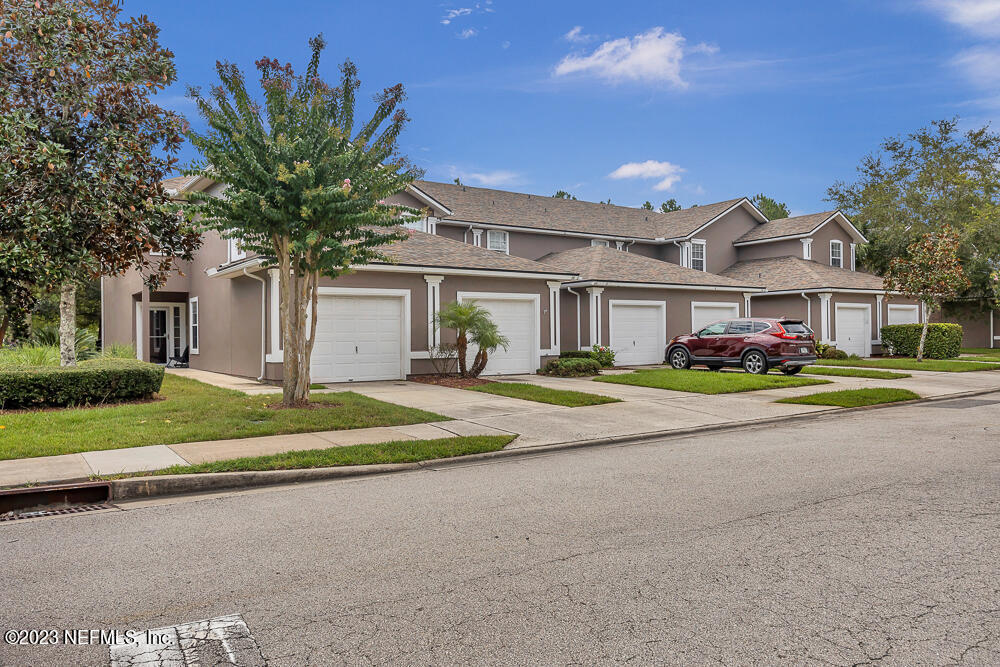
x: 642, y: 410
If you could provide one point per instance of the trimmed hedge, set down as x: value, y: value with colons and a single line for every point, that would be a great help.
x: 944, y: 341
x: 90, y: 383
x: 575, y: 354
x: 571, y: 367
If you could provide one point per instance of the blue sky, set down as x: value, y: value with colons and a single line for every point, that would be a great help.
x: 629, y: 100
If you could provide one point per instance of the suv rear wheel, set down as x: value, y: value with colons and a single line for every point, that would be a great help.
x: 679, y: 358
x: 755, y: 362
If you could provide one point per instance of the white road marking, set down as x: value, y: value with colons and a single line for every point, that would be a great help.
x: 214, y: 641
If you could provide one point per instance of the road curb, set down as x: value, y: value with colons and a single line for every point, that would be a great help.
x: 133, y: 488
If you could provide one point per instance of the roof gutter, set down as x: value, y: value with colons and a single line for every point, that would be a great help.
x: 817, y: 290
x: 675, y: 286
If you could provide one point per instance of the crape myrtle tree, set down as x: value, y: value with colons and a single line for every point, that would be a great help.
x: 930, y: 272
x: 303, y: 187
x: 83, y: 150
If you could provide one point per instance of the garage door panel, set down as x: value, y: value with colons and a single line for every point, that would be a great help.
x: 637, y: 333
x: 852, y: 329
x: 358, y: 338
x: 704, y: 314
x: 516, y: 320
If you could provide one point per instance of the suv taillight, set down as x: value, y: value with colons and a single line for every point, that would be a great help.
x: 781, y: 333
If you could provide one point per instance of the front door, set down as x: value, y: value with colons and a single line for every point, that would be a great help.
x: 158, y: 335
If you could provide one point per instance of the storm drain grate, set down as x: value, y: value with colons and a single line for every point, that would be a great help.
x: 76, y: 509
x: 964, y: 403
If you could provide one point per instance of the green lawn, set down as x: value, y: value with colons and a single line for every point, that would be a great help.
x: 981, y: 350
x: 706, y: 382
x: 532, y: 392
x: 400, y: 451
x: 189, y: 411
x: 853, y: 398
x: 912, y: 364
x: 854, y: 372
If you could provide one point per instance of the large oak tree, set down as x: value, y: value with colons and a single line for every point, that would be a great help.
x: 85, y: 149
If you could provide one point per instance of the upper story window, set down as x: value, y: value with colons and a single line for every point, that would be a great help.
x: 698, y: 255
x: 837, y: 254
x: 236, y: 251
x: 602, y: 243
x: 807, y: 248
x: 428, y: 225
x: 497, y: 239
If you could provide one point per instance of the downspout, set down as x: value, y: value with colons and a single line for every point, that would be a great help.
x: 263, y: 323
x: 680, y: 253
x: 578, y: 315
x: 809, y: 310
x: 465, y: 234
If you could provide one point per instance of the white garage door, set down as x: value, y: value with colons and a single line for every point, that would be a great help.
x: 516, y: 320
x: 852, y: 329
x: 703, y: 314
x: 904, y: 315
x: 637, y: 333
x: 358, y: 338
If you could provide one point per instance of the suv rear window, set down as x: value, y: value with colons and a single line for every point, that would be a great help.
x: 758, y: 327
x: 738, y: 327
x: 795, y: 328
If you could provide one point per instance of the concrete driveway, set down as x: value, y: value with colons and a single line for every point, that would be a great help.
x: 642, y: 410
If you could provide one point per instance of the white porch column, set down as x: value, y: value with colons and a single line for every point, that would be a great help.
x: 554, y: 315
x: 807, y: 249
x: 477, y: 238
x: 854, y: 257
x: 878, y: 315
x: 433, y: 306
x: 595, y: 314
x: 824, y: 316
x: 746, y: 304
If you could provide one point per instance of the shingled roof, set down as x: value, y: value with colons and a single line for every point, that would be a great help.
x: 601, y: 264
x: 422, y: 249
x: 779, y: 274
x: 800, y: 225
x: 515, y: 209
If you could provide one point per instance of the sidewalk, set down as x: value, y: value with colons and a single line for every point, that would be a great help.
x: 642, y: 410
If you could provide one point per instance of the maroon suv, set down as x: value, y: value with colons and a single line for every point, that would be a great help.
x: 755, y: 343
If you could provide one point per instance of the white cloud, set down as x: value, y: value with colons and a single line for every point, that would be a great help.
x: 467, y: 33
x: 487, y: 179
x: 577, y: 35
x: 453, y: 14
x: 667, y: 173
x: 652, y: 56
x: 981, y: 17
x: 505, y: 44
x: 980, y: 65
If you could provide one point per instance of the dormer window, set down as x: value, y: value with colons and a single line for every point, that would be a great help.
x: 698, y: 255
x: 600, y: 243
x: 807, y: 248
x: 837, y: 254
x: 236, y: 251
x: 497, y: 239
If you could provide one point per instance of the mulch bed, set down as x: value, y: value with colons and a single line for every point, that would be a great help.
x: 453, y: 381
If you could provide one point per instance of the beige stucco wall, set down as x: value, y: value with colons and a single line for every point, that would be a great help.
x: 678, y: 310
x: 791, y: 248
x: 719, y: 237
x: 975, y: 324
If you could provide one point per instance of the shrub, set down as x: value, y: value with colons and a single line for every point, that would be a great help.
x: 575, y: 354
x: 118, y: 351
x: 831, y: 352
x: 86, y: 341
x: 571, y: 367
x: 29, y: 355
x: 944, y: 341
x: 89, y: 383
x: 603, y: 355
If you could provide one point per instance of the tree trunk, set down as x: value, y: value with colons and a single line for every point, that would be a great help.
x: 67, y: 324
x: 923, y: 339
x: 461, y: 345
x: 4, y: 323
x: 480, y: 364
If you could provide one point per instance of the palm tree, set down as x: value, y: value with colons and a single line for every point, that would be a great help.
x: 471, y: 323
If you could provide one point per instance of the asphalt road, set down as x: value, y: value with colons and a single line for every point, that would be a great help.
x: 869, y: 537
